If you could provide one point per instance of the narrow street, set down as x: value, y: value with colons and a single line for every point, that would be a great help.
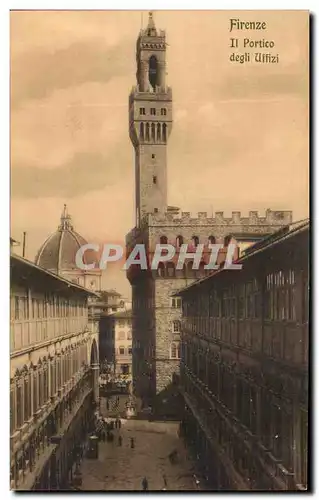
x: 121, y: 468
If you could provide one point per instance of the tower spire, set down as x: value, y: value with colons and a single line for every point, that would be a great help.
x: 65, y: 219
x: 151, y: 29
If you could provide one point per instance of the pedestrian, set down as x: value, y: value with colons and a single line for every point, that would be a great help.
x: 116, y: 424
x: 120, y: 423
x: 120, y: 440
x: 133, y: 444
x: 145, y: 484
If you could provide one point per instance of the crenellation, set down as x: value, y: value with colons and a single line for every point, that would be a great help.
x: 202, y: 215
x: 236, y: 217
x: 254, y: 219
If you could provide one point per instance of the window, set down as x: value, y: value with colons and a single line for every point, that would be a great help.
x: 142, y: 111
x: 155, y: 210
x: 176, y: 303
x: 175, y: 352
x: 154, y: 179
x: 121, y: 335
x: 153, y: 156
x: 212, y: 240
x: 153, y: 111
x: 142, y: 131
x: 163, y: 240
x: 176, y: 326
x: 163, y: 111
x: 130, y: 351
x: 164, y: 132
x: 122, y: 350
x: 129, y: 335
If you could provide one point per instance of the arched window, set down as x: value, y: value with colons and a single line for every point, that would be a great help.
x: 170, y: 269
x: 212, y: 240
x: 227, y: 240
x: 164, y: 132
x: 163, y: 240
x: 147, y: 131
x: 179, y: 241
x: 161, y: 270
x: 153, y: 71
x: 153, y: 131
x: 195, y: 241
x: 142, y: 131
x: 176, y: 326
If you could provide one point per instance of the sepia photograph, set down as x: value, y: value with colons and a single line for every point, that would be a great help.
x: 159, y: 250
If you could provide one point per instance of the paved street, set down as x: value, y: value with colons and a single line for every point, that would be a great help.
x: 123, y: 468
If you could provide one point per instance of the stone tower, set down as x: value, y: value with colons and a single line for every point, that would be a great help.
x: 150, y: 115
x: 156, y: 315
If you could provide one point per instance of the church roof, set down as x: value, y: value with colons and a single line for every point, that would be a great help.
x: 58, y: 252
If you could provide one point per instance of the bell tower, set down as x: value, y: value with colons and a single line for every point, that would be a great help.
x: 150, y: 122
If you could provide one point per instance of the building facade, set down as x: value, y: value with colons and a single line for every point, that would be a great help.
x: 244, y: 367
x: 155, y: 315
x: 53, y: 376
x: 116, y: 343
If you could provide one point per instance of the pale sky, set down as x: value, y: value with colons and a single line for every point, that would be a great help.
x: 240, y: 131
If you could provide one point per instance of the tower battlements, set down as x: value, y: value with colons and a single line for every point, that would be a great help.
x: 169, y: 219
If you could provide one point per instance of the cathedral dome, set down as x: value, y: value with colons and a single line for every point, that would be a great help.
x: 58, y: 252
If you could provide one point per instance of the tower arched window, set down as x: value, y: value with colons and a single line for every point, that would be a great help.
x: 164, y: 132
x: 158, y: 135
x: 195, y: 241
x: 142, y: 131
x: 179, y: 241
x: 163, y: 240
x: 147, y: 131
x: 153, y: 71
x: 212, y: 240
x: 153, y: 131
